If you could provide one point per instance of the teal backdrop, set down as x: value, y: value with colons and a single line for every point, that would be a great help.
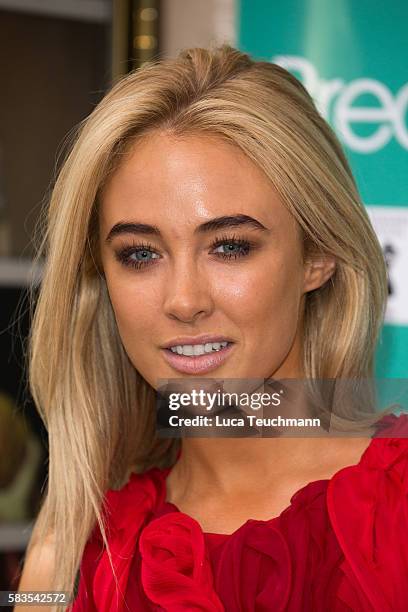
x: 352, y: 56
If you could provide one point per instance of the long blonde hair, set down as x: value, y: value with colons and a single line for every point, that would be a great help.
x: 80, y: 376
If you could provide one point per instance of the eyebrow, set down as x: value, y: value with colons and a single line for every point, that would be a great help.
x: 124, y: 227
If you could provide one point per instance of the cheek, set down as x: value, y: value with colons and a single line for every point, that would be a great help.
x: 136, y: 316
x: 263, y: 297
x: 135, y: 310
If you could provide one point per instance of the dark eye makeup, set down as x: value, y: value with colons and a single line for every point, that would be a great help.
x: 137, y: 255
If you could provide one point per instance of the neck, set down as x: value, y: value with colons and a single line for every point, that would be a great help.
x: 232, y: 468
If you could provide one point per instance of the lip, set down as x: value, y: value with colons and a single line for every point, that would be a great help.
x: 203, y: 339
x: 198, y: 364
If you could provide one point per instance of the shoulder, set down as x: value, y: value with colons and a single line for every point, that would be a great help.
x: 39, y: 561
x: 388, y: 450
x: 138, y: 496
x: 383, y: 466
x: 368, y: 509
x: 124, y: 512
x: 38, y: 568
x: 126, y: 507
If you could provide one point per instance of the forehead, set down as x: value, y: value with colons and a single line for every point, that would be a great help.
x: 183, y: 181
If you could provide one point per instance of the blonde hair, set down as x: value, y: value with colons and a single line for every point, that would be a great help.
x: 82, y: 381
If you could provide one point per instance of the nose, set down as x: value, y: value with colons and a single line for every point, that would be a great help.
x: 187, y: 292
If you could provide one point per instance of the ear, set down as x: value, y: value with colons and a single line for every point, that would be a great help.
x: 318, y: 269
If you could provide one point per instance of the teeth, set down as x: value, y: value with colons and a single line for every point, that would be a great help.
x: 198, y: 349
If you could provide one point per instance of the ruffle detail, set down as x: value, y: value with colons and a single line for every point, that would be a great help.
x: 368, y: 509
x: 254, y: 571
x: 341, y: 545
x: 176, y: 572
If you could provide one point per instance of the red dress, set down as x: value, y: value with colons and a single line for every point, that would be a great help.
x: 341, y: 545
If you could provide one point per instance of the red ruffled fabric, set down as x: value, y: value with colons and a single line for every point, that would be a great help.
x: 341, y: 545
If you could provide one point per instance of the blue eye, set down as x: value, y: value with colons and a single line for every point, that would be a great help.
x: 137, y: 256
x: 142, y: 255
x: 234, y: 247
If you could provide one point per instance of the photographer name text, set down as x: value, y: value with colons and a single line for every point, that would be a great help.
x: 246, y: 420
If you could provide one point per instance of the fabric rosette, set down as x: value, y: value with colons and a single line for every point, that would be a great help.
x: 255, y: 571
x: 176, y: 572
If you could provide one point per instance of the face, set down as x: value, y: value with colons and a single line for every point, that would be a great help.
x: 196, y: 244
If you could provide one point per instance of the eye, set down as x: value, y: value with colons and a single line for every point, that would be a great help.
x: 235, y: 247
x: 137, y: 256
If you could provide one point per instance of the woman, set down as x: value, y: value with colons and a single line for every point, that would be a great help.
x: 206, y: 201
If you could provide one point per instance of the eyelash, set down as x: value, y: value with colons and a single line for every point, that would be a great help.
x: 123, y: 255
